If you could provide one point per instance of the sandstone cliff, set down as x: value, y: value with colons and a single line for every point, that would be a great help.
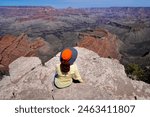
x: 102, y: 42
x: 12, y: 47
x: 103, y: 79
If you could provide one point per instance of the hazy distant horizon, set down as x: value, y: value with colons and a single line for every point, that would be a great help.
x: 78, y: 7
x: 77, y: 3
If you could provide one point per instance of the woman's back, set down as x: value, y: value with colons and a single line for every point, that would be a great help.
x: 65, y: 79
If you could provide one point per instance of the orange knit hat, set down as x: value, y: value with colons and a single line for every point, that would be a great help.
x: 66, y: 54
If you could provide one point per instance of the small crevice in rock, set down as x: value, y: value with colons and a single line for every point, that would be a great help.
x: 52, y: 94
x: 53, y: 97
x: 135, y: 97
x: 13, y: 95
x: 94, y: 58
x: 33, y: 68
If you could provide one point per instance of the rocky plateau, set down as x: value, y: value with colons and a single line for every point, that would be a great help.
x: 29, y: 79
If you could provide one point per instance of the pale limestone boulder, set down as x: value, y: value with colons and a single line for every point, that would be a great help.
x: 22, y: 66
x: 103, y: 79
x: 28, y: 80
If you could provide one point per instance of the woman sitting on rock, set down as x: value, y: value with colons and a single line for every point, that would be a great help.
x: 67, y: 70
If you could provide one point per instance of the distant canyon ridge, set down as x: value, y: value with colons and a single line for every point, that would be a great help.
x: 120, y: 33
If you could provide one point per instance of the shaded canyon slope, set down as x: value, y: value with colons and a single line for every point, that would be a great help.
x: 103, y: 79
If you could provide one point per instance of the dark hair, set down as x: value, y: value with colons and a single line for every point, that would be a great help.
x: 64, y: 66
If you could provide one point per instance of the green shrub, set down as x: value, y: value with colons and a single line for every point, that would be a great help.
x: 134, y: 71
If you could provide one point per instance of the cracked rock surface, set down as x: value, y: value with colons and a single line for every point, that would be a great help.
x: 103, y: 79
x: 28, y: 80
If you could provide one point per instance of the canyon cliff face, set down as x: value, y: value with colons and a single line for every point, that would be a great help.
x: 102, y: 42
x: 60, y: 27
x: 103, y: 79
x: 13, y: 47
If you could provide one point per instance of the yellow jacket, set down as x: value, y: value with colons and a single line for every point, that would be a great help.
x: 64, y: 80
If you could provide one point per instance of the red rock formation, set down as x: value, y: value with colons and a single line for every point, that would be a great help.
x: 12, y: 47
x: 101, y: 42
x: 35, y: 17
